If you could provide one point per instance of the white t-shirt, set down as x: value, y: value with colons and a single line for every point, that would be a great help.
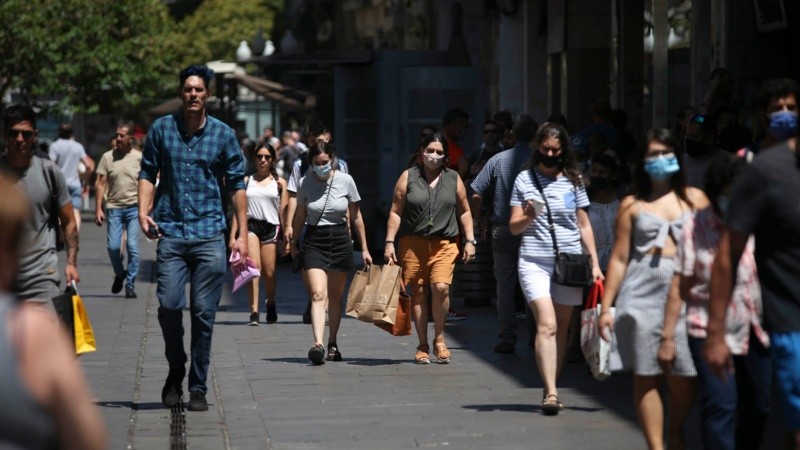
x: 564, y: 199
x: 313, y: 193
x: 263, y: 202
x: 67, y: 153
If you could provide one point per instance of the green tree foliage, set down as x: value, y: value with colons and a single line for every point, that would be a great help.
x: 85, y: 52
x: 88, y: 53
x: 215, y: 29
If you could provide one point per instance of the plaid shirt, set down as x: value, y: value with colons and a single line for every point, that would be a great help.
x: 193, y: 171
x: 497, y: 179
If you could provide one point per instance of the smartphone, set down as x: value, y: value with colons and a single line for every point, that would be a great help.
x: 537, y: 205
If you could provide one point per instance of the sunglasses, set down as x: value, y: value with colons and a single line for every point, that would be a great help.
x: 26, y: 134
x: 263, y: 157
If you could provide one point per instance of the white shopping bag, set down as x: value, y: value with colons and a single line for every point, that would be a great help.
x: 596, y: 350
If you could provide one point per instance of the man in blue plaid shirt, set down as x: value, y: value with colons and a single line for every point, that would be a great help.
x: 196, y: 157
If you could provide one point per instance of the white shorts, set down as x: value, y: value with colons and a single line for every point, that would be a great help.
x: 535, y: 278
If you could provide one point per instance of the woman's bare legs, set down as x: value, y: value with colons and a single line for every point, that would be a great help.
x: 649, y: 409
x: 269, y: 254
x: 253, y: 248
x: 563, y: 319
x: 318, y: 291
x: 440, y: 305
x: 419, y: 301
x: 681, y: 393
x: 546, y: 347
x: 336, y: 282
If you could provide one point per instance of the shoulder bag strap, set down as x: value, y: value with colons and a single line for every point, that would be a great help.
x: 330, y: 188
x: 550, y: 226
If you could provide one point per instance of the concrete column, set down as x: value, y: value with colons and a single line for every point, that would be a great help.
x: 510, y: 48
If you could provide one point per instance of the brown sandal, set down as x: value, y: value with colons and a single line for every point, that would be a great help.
x: 551, y: 406
x: 422, y: 357
x: 441, y: 351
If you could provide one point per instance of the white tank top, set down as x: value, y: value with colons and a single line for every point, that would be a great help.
x: 263, y: 202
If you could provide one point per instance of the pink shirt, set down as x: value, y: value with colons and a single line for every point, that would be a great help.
x: 695, y: 258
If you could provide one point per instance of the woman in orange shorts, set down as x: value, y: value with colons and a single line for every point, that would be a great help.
x: 428, y: 205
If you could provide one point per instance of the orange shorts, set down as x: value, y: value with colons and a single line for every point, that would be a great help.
x: 427, y: 260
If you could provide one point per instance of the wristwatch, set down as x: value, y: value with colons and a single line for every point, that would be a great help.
x: 471, y: 241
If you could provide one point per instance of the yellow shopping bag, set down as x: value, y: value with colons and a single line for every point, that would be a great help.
x: 82, y: 328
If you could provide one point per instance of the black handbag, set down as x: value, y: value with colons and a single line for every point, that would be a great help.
x: 297, y: 261
x: 571, y: 269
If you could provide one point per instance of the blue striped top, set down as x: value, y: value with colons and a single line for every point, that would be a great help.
x: 188, y: 201
x: 564, y: 199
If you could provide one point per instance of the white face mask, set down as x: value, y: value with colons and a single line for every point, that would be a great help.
x: 432, y: 160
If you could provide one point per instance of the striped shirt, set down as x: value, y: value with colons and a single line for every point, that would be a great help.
x: 564, y: 199
x: 499, y: 174
x: 193, y: 169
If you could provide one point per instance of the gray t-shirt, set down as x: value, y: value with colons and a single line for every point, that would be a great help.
x: 38, y: 276
x: 67, y: 154
x: 312, y: 193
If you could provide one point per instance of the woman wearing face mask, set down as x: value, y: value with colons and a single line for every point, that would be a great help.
x: 733, y: 411
x: 639, y: 275
x: 324, y: 198
x: 429, y: 203
x: 605, y: 204
x: 552, y: 164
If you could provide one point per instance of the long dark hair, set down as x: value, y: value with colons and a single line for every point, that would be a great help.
x: 643, y: 184
x: 416, y: 160
x: 567, y: 161
x: 271, y: 151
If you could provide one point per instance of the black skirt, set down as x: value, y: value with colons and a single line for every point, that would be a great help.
x: 328, y: 247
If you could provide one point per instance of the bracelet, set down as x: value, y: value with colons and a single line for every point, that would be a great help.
x: 390, y: 242
x: 605, y: 312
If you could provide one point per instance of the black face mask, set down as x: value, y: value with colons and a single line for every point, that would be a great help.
x: 599, y: 183
x: 549, y: 161
x: 695, y: 149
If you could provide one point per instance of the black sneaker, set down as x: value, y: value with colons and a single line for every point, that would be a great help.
x: 333, y: 352
x: 272, y: 313
x: 317, y: 355
x: 505, y: 347
x: 253, y: 319
x: 172, y: 391
x: 197, y: 401
x: 117, y: 286
x: 129, y: 292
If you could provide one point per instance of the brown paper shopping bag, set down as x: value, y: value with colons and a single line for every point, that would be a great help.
x: 357, y: 287
x: 401, y: 325
x: 372, y: 303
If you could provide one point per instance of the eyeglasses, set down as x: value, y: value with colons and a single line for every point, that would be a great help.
x: 267, y: 157
x: 490, y: 131
x: 12, y: 134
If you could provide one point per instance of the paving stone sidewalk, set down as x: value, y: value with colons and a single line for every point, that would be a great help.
x: 263, y: 393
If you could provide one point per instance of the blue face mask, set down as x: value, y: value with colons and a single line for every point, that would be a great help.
x: 323, y: 171
x: 662, y: 167
x: 783, y: 124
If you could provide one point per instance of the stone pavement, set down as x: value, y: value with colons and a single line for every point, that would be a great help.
x: 263, y: 392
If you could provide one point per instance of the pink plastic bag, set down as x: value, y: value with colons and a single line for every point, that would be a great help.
x: 242, y: 274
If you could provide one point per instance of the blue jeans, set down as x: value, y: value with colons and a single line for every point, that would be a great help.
x: 128, y: 219
x: 734, y: 413
x: 202, y: 263
x: 786, y: 360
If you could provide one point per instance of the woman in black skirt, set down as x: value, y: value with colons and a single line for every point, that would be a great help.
x: 324, y: 198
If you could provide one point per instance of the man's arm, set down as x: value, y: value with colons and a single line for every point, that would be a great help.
x: 239, y: 202
x: 89, y: 163
x: 723, y: 279
x: 100, y: 192
x: 71, y: 241
x: 146, y: 223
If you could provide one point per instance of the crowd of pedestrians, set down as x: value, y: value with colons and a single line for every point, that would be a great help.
x: 692, y: 231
